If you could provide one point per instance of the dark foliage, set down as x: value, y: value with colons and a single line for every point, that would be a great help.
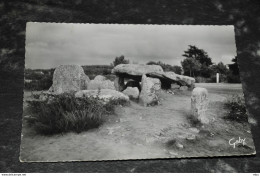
x: 120, y: 60
x: 93, y: 70
x: 233, y: 76
x: 39, y: 79
x: 198, y: 54
x: 234, y: 67
x: 236, y: 109
x: 64, y: 113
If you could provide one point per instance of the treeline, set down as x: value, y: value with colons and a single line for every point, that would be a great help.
x: 199, y: 65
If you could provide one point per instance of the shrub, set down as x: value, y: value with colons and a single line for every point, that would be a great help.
x: 66, y: 113
x: 231, y: 78
x: 39, y: 79
x: 237, y: 109
x: 200, y: 79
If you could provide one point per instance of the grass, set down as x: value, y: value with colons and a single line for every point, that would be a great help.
x: 64, y: 113
x: 236, y: 109
x: 194, y: 122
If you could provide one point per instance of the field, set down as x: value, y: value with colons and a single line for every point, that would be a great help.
x: 138, y: 132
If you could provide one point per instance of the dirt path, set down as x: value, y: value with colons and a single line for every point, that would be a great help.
x: 138, y: 132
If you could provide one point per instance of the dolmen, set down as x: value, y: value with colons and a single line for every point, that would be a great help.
x: 150, y: 79
x: 136, y: 71
x: 133, y: 81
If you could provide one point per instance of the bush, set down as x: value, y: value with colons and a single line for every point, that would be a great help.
x: 39, y: 79
x: 66, y: 113
x: 237, y: 109
x: 231, y: 78
x: 200, y: 79
x: 211, y: 79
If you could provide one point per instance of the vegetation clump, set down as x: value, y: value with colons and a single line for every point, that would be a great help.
x: 236, y: 109
x: 66, y: 113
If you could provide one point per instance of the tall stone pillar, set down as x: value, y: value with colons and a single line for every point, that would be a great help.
x: 148, y: 94
x: 199, y: 104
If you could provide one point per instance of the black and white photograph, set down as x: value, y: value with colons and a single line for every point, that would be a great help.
x: 96, y: 92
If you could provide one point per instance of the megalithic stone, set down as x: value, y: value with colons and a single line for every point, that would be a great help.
x: 199, y: 104
x: 67, y: 78
x: 148, y: 94
x: 119, y: 83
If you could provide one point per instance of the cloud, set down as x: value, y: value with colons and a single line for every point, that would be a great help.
x: 51, y: 44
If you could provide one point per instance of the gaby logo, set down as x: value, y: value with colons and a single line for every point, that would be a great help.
x: 234, y: 142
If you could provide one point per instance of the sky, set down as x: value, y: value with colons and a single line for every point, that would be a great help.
x: 49, y: 45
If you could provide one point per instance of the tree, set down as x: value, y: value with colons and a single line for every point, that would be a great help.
x: 190, y: 66
x: 205, y: 71
x: 234, y: 67
x: 177, y: 69
x: 233, y: 75
x: 120, y: 60
x: 220, y: 68
x: 198, y: 54
x: 196, y: 62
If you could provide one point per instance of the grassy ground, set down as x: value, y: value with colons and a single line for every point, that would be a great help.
x: 138, y: 132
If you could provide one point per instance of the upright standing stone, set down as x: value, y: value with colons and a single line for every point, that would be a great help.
x: 119, y: 83
x: 148, y: 92
x: 67, y: 78
x: 199, y: 104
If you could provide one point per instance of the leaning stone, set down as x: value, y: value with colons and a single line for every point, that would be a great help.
x: 132, y: 92
x: 106, y: 84
x: 199, y: 104
x: 181, y: 79
x: 103, y: 94
x: 67, y: 78
x: 183, y: 88
x: 148, y: 92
